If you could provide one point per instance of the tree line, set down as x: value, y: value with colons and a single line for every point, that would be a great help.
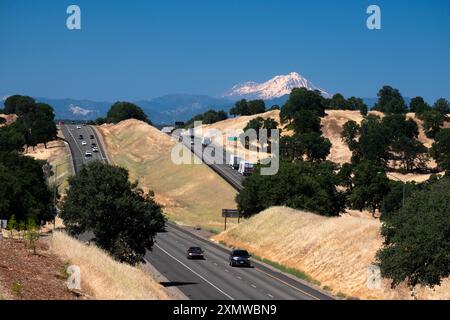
x: 414, y: 215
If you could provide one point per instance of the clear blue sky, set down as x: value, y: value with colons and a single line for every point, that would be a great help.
x: 143, y: 49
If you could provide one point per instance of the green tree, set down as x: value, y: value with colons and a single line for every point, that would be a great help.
x: 256, y: 107
x: 122, y: 218
x: 390, y: 101
x: 416, y: 241
x: 440, y: 150
x: 19, y: 105
x: 338, y: 102
x: 11, y: 138
x: 240, y: 108
x: 306, y: 121
x: 397, y: 195
x: 370, y: 186
x: 299, y: 185
x: 442, y: 106
x: 302, y: 99
x: 357, y: 104
x: 350, y: 131
x: 23, y: 188
x: 418, y: 106
x: 433, y: 121
x: 121, y: 111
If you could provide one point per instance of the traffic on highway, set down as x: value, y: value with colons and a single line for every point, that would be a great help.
x: 199, y: 268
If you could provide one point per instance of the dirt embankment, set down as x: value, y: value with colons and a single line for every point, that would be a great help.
x: 28, y: 276
x: 335, y: 251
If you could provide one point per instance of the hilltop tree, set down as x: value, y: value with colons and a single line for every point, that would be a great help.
x: 256, y: 107
x: 442, y: 106
x: 354, y: 103
x: 121, y: 111
x: 303, y: 99
x: 390, y: 101
x: 416, y: 241
x: 122, y: 218
x: 418, y: 106
x: 338, y: 102
x: 19, y: 105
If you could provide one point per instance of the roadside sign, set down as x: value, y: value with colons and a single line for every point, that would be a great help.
x: 3, y: 224
x: 230, y: 213
x: 232, y: 139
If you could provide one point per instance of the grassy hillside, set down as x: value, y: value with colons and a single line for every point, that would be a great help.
x: 192, y: 194
x: 332, y: 125
x: 334, y: 251
x: 104, y: 278
x: 57, y: 155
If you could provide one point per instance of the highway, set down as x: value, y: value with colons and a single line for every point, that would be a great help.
x: 207, y: 154
x: 72, y: 135
x: 211, y: 278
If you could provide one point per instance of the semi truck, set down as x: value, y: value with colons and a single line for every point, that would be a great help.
x: 246, y: 168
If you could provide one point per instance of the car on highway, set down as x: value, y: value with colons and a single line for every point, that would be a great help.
x: 80, y: 137
x: 239, y: 258
x: 195, y: 253
x: 78, y: 127
x: 88, y: 154
x: 92, y: 137
x: 95, y: 149
x: 83, y: 143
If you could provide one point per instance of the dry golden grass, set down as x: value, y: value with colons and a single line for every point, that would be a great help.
x: 335, y: 251
x: 104, y: 278
x: 57, y: 155
x: 332, y: 125
x: 192, y: 194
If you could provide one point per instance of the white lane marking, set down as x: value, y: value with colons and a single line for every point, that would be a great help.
x: 82, y: 157
x: 215, y: 264
x: 253, y: 286
x: 239, y: 278
x: 103, y: 156
x: 226, y: 270
x: 270, y: 296
x: 196, y: 273
x: 289, y: 285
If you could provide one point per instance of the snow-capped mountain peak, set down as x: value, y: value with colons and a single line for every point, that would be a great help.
x: 274, y: 88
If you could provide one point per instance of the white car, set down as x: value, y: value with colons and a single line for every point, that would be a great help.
x: 78, y: 127
x: 88, y: 154
x: 95, y: 149
x: 83, y: 143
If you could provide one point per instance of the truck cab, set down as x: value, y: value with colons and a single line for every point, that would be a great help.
x: 246, y: 168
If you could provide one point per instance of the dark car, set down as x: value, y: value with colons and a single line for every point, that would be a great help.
x: 239, y: 258
x: 80, y: 137
x: 92, y: 137
x: 195, y: 253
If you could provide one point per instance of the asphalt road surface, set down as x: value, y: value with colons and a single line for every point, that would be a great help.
x: 207, y: 155
x: 72, y: 134
x: 211, y: 278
